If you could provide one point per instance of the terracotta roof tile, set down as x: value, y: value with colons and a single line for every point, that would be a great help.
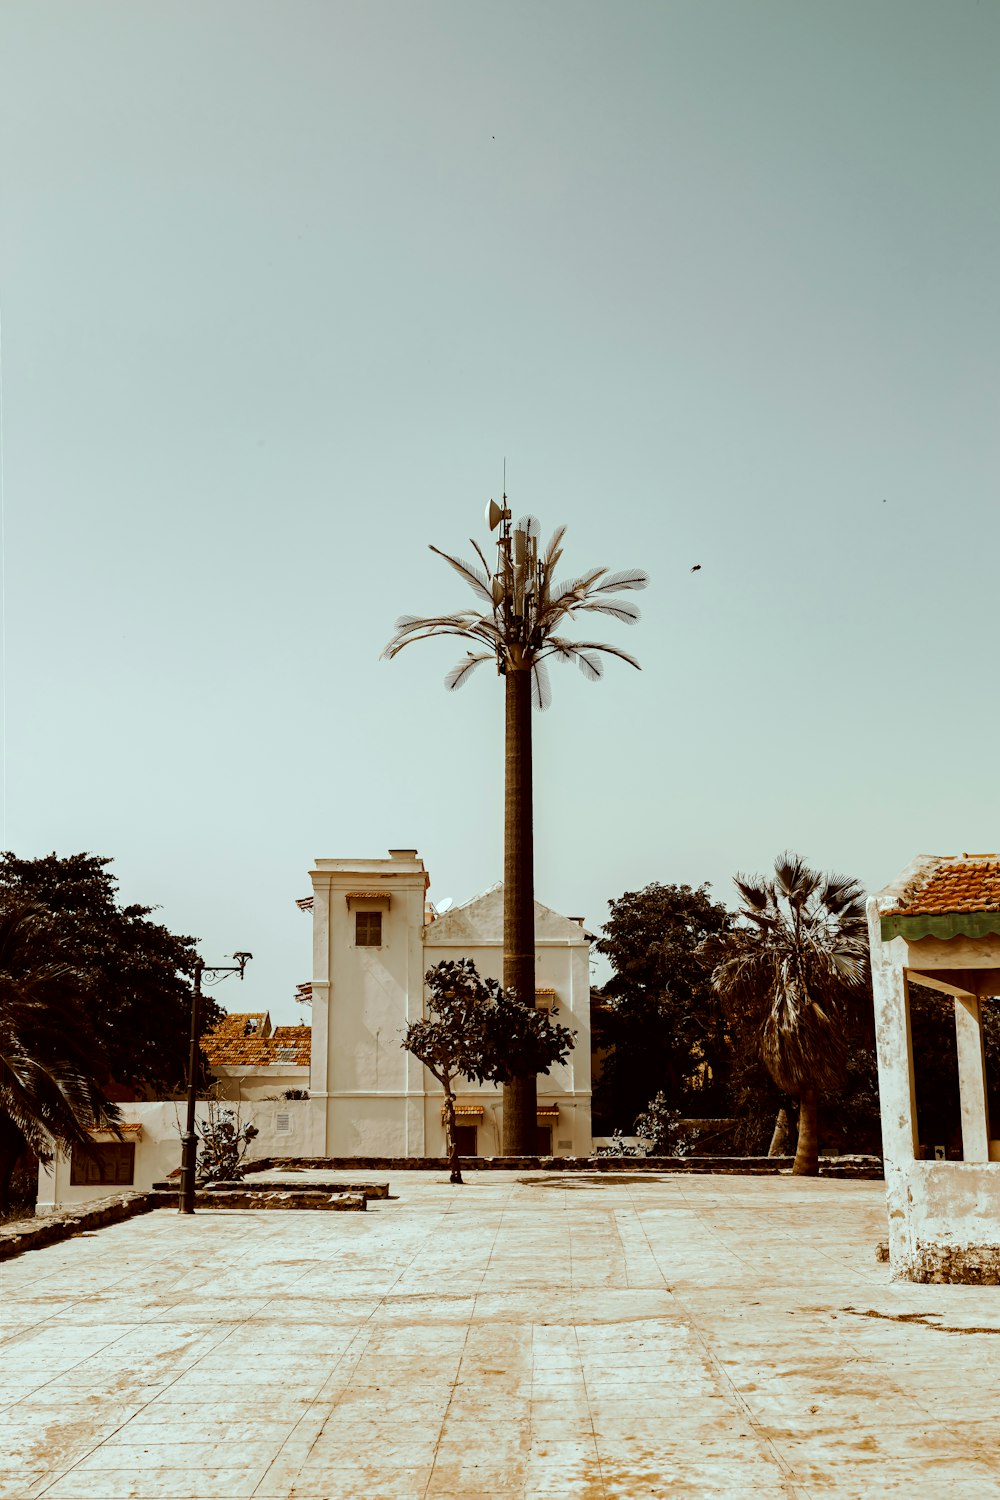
x: 244, y: 1023
x: 228, y: 1046
x: 953, y: 885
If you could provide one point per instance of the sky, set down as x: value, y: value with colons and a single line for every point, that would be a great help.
x: 282, y: 286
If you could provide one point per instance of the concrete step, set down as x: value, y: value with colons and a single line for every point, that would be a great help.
x: 258, y: 1185
x: 277, y: 1198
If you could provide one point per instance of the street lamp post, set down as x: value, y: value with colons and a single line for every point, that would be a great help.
x: 189, y: 1144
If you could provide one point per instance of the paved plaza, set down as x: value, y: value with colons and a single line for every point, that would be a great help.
x: 531, y: 1334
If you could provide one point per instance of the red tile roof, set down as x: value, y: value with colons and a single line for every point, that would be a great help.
x: 243, y: 1023
x: 965, y: 883
x: 229, y: 1046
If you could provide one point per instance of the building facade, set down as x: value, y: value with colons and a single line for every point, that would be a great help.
x: 375, y: 935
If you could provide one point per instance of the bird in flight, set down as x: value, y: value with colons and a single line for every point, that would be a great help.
x: 696, y: 568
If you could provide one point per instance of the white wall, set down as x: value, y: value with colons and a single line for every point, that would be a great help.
x: 377, y: 1100
x: 158, y: 1146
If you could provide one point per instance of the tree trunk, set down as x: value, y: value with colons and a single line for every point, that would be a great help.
x: 450, y: 1133
x: 520, y: 1103
x: 807, y: 1153
x: 782, y: 1130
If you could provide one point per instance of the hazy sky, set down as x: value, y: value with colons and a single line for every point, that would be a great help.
x: 283, y: 283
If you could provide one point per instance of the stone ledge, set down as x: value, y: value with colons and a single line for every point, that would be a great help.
x: 63, y: 1223
x: 277, y: 1197
x: 860, y: 1167
x: 967, y: 1265
x: 370, y: 1190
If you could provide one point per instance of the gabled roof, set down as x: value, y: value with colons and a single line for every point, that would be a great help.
x: 946, y: 896
x: 480, y: 920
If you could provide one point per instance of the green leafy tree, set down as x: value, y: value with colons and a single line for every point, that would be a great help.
x: 797, y: 974
x: 521, y: 609
x: 50, y: 1062
x: 659, y: 1125
x: 477, y: 1030
x: 131, y: 972
x: 660, y: 1024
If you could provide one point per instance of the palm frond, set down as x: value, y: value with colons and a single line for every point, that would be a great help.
x: 474, y: 628
x: 630, y: 578
x: 487, y: 570
x: 609, y: 651
x: 628, y: 614
x: 794, y: 879
x: 840, y: 894
x: 463, y: 670
x: 476, y: 580
x: 49, y: 1061
x: 541, y: 688
x: 553, y: 551
x: 754, y: 892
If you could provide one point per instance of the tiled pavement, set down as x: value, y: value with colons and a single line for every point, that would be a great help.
x: 542, y: 1334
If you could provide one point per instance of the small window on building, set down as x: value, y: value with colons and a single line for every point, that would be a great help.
x: 283, y: 1124
x: 109, y: 1165
x: 368, y: 929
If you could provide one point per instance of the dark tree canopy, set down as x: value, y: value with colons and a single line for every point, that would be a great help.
x: 658, y: 1020
x: 478, y: 1030
x: 50, y: 1064
x: 131, y: 972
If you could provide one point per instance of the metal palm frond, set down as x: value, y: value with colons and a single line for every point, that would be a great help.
x: 518, y: 628
x: 477, y: 580
x: 541, y: 689
x: 463, y: 670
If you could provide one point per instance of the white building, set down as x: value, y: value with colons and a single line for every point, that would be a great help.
x: 345, y: 1087
x: 374, y: 937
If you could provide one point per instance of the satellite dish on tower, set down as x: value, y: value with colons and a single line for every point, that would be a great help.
x: 445, y: 905
x: 494, y: 515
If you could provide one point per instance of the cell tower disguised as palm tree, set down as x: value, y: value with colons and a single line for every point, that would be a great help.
x: 516, y: 622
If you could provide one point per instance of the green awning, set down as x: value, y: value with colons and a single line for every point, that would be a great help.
x: 949, y: 924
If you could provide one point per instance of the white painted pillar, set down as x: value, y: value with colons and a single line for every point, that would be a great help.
x: 972, y: 1079
x: 893, y: 1042
x: 319, y: 1065
x: 897, y: 1095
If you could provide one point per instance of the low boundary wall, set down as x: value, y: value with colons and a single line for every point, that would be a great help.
x: 865, y: 1167
x: 63, y: 1223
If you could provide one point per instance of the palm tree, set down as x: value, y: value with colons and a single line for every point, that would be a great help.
x: 517, y: 622
x: 798, y: 969
x: 49, y: 1093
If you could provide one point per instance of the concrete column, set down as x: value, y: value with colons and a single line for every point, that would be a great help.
x: 972, y: 1079
x: 897, y: 1095
x: 319, y: 1069
x: 894, y: 1044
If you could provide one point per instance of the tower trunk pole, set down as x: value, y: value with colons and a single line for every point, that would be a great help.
x: 520, y: 1104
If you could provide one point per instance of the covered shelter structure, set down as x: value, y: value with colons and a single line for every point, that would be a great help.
x: 938, y: 925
